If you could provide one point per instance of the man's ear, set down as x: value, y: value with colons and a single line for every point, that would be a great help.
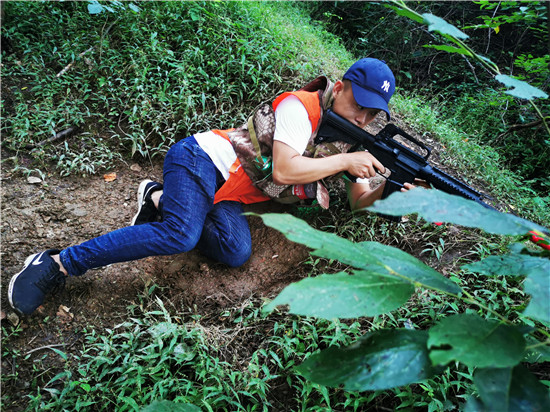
x: 338, y: 87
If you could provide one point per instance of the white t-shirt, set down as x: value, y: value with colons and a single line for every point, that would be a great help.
x: 219, y: 149
x: 292, y: 127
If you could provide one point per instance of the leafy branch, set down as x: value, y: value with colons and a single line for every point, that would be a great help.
x: 383, y: 278
x: 520, y: 89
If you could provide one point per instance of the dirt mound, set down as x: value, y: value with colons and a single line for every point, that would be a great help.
x: 200, y: 281
x: 59, y: 212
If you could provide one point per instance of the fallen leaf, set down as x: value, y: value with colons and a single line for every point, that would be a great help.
x: 109, y: 177
x: 13, y: 318
x: 135, y: 168
x: 64, y: 313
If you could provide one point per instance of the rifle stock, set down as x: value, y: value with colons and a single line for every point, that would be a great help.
x: 404, y: 163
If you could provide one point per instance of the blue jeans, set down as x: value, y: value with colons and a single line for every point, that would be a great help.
x: 189, y: 219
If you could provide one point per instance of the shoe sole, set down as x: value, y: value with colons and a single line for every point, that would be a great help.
x: 140, y: 196
x: 14, y: 278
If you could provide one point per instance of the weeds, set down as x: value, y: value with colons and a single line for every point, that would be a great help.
x: 239, y: 360
x: 157, y: 347
x: 10, y: 357
x: 144, y: 82
x: 246, y: 363
x: 139, y: 78
x: 465, y: 153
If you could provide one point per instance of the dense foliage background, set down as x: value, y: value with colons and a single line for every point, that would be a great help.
x: 512, y: 34
x: 139, y: 78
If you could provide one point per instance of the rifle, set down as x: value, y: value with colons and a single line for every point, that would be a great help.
x: 404, y: 163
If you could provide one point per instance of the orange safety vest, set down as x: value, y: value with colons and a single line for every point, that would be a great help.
x: 238, y: 186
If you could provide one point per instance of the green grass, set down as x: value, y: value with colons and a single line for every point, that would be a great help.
x: 150, y: 78
x: 475, y: 160
x: 157, y: 76
x: 134, y: 83
x: 187, y: 358
x: 239, y: 360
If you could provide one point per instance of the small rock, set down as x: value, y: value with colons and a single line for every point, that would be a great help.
x: 79, y: 212
x: 33, y: 180
x: 76, y: 210
x: 453, y: 230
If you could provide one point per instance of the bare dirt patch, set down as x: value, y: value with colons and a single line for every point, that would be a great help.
x: 60, y: 212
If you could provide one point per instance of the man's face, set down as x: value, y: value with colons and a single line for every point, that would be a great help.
x: 345, y: 105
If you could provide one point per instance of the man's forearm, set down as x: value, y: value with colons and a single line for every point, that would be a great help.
x: 289, y: 167
x: 302, y: 170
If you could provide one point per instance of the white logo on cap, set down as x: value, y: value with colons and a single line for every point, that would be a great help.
x: 386, y: 86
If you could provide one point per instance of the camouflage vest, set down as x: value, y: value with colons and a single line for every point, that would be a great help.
x: 253, y: 143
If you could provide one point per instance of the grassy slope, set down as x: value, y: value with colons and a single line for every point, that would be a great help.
x: 149, y: 78
x: 463, y: 152
x: 154, y: 86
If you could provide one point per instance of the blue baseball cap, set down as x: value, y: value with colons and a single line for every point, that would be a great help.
x: 372, y: 83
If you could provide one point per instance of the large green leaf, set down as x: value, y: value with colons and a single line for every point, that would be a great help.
x: 94, y: 7
x: 493, y: 385
x: 407, y: 13
x: 449, y: 49
x: 405, y: 266
x: 369, y: 256
x: 380, y: 360
x: 475, y: 341
x: 537, y: 283
x: 437, y: 206
x: 513, y: 264
x: 520, y: 89
x: 440, y: 25
x: 538, y: 286
x: 299, y: 231
x: 344, y: 296
x: 510, y: 389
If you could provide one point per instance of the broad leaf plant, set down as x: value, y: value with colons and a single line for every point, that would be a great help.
x: 383, y: 278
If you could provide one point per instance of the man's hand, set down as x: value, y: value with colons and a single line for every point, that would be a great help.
x: 417, y: 182
x: 363, y: 164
